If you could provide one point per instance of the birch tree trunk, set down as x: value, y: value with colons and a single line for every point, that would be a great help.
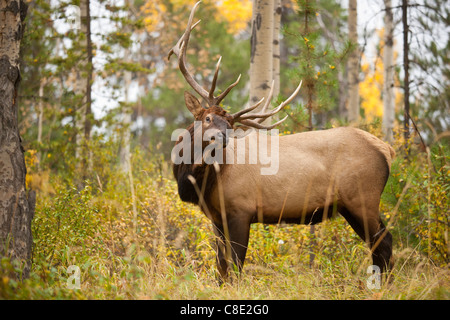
x: 261, y: 67
x: 388, y: 62
x: 406, y: 68
x: 16, y: 205
x: 88, y: 113
x: 83, y: 89
x: 353, y: 64
x: 81, y: 85
x: 276, y: 48
x: 125, y: 155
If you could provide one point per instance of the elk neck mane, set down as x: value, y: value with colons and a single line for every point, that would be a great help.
x: 205, y: 175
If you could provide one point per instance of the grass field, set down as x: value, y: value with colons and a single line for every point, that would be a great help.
x: 147, y: 244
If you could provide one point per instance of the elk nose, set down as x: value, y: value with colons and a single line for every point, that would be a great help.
x: 219, y: 136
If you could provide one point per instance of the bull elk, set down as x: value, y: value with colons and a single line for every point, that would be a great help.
x: 320, y: 173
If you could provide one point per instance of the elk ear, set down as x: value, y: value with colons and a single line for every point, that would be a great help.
x: 193, y: 104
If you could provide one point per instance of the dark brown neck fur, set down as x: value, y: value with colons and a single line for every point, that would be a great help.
x: 204, y: 174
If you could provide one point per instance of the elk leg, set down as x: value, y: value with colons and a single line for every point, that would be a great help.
x: 375, y: 234
x: 222, y: 264
x: 239, y: 232
x: 381, y: 246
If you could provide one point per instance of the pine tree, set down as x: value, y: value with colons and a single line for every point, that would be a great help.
x: 430, y: 69
x: 316, y: 63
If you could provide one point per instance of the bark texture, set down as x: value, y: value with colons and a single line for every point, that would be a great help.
x: 16, y: 204
x: 261, y: 67
x: 276, y: 48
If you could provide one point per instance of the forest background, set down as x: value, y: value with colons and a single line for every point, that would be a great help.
x: 98, y: 101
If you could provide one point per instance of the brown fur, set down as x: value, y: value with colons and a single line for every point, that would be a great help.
x: 204, y: 175
x: 320, y: 172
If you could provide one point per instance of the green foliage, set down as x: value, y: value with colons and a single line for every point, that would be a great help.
x: 317, y: 64
x: 416, y: 200
x: 430, y: 99
x: 54, y: 59
x: 164, y: 108
x: 69, y: 221
x: 131, y: 235
x: 153, y: 245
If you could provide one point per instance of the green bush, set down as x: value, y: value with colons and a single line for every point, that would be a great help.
x: 149, y: 244
x: 416, y: 202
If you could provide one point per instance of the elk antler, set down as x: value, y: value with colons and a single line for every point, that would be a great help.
x: 247, y: 119
x: 180, y: 51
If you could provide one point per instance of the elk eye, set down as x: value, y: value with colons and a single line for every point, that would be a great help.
x: 208, y: 119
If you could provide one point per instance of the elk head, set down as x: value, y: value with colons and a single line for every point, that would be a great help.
x: 214, y: 118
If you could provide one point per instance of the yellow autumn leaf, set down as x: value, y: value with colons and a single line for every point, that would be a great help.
x: 236, y: 12
x: 370, y: 89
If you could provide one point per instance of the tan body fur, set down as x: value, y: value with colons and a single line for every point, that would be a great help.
x: 319, y: 173
x: 315, y: 169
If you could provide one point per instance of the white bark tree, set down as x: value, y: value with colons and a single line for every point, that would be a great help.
x: 388, y: 62
x: 353, y: 64
x: 125, y: 154
x: 83, y: 88
x: 276, y: 48
x: 261, y: 65
x: 81, y: 84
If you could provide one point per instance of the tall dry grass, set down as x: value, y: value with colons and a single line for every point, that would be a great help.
x: 132, y: 238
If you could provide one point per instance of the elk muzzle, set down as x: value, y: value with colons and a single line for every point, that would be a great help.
x: 216, y: 138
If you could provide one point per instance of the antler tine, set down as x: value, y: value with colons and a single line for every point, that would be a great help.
x: 237, y: 115
x: 218, y: 99
x: 247, y: 119
x: 185, y: 37
x: 262, y: 116
x: 180, y: 51
x: 176, y: 49
x: 283, y: 104
x: 253, y: 124
x: 213, y: 84
x: 269, y: 98
x: 189, y: 78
